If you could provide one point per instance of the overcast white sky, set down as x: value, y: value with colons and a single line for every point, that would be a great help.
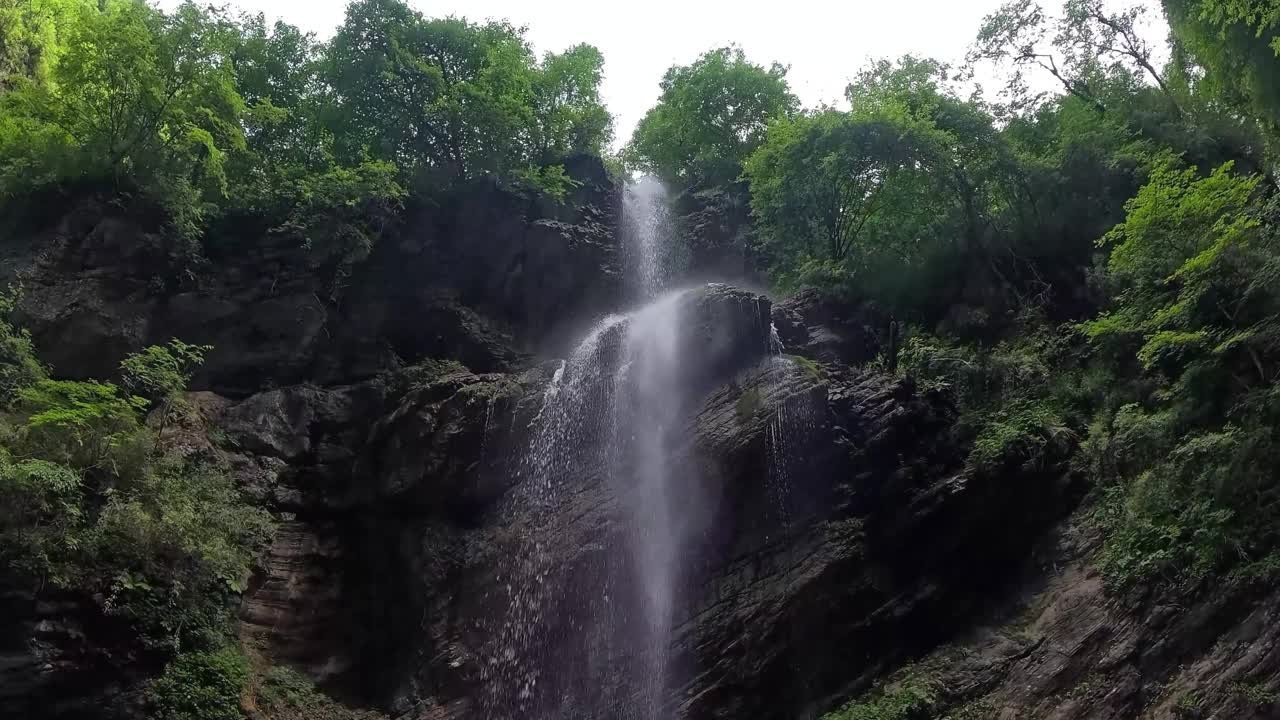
x: 824, y: 41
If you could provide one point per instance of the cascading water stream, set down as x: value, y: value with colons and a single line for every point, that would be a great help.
x: 652, y: 258
x: 615, y: 405
x: 589, y: 607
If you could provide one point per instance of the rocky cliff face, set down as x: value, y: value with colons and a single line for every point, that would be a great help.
x: 389, y: 425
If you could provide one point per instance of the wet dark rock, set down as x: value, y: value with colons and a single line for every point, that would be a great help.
x: 818, y: 566
x: 715, y: 225
x: 57, y: 660
x: 829, y: 331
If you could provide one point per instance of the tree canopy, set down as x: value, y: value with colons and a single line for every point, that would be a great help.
x: 205, y: 113
x: 711, y: 115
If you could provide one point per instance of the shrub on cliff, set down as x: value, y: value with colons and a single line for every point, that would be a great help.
x: 19, y: 367
x: 96, y: 504
x: 1188, y: 453
x: 909, y: 699
x: 201, y: 686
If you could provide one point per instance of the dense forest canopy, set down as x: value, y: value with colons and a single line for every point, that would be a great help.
x: 208, y: 114
x: 1096, y: 269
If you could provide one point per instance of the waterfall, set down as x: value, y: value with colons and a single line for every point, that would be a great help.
x: 652, y: 257
x: 613, y: 407
x: 599, y: 533
x: 647, y: 408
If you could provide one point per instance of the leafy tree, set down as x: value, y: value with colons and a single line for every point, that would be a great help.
x: 1080, y: 49
x: 1237, y: 43
x: 40, y: 515
x: 1182, y: 255
x: 277, y: 74
x: 138, y: 98
x: 340, y: 213
x: 96, y: 502
x: 172, y: 547
x: 446, y: 99
x: 884, y: 198
x: 824, y: 179
x: 288, y: 181
x: 711, y: 115
x: 19, y: 367
x: 570, y: 115
x: 85, y: 425
x: 29, y: 38
x: 1196, y: 259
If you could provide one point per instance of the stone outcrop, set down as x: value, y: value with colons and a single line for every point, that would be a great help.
x: 714, y: 224
x: 830, y: 331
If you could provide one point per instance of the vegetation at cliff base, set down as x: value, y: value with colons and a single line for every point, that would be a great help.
x: 99, y: 504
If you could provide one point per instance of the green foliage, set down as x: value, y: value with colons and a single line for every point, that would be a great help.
x: 446, y: 99
x: 40, y: 513
x: 859, y: 170
x: 339, y: 214
x: 286, y: 694
x: 160, y: 373
x: 19, y: 367
x: 910, y: 699
x: 94, y: 502
x: 748, y: 404
x: 1237, y: 45
x: 1189, y: 704
x: 804, y: 363
x: 214, y: 118
x: 137, y: 98
x: 201, y: 686
x: 86, y: 425
x: 711, y: 115
x: 172, y: 546
x: 878, y: 201
x: 1254, y: 693
x: 570, y: 116
x: 1021, y: 400
x: 1189, y: 498
x: 981, y: 709
x: 29, y: 38
x: 1023, y: 428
